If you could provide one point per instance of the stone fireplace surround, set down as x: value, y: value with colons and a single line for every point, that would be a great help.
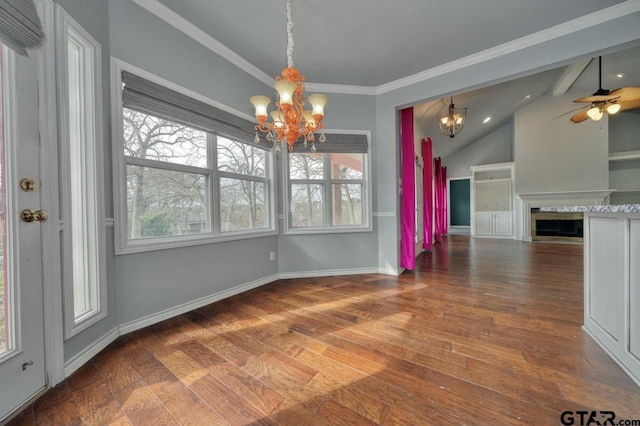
x: 531, y: 200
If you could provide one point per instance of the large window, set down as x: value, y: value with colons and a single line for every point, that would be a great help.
x: 189, y: 175
x: 328, y: 191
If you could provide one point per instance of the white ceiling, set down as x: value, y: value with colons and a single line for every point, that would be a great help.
x: 365, y: 45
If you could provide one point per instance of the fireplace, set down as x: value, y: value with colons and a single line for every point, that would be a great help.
x: 556, y: 226
x: 536, y: 200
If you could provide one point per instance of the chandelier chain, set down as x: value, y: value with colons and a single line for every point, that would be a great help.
x: 289, y: 35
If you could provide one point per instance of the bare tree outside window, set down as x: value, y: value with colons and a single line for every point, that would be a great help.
x: 243, y: 186
x: 160, y: 201
x: 310, y: 186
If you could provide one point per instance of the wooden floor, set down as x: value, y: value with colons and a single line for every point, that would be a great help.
x: 484, y: 332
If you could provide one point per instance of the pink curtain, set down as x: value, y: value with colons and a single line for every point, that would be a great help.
x: 408, y: 202
x: 441, y: 199
x: 427, y: 199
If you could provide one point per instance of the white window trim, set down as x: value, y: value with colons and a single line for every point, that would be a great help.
x: 124, y: 245
x: 67, y: 27
x: 367, y: 225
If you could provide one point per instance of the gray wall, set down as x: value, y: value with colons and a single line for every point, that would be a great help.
x: 496, y: 147
x: 554, y: 154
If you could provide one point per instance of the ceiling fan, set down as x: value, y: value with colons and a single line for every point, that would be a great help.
x: 607, y: 101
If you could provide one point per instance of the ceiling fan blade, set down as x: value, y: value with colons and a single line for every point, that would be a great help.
x: 624, y: 105
x: 569, y: 112
x: 626, y: 93
x: 592, y: 99
x: 580, y: 117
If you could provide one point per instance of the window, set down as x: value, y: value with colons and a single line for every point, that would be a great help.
x: 328, y: 191
x: 81, y: 176
x: 191, y: 173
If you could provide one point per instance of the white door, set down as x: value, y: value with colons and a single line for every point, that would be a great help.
x: 22, y: 370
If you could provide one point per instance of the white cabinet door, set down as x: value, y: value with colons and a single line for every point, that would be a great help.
x: 605, y: 281
x: 483, y: 223
x: 634, y: 288
x: 502, y: 224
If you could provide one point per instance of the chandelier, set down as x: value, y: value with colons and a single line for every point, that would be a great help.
x: 290, y: 121
x: 452, y: 120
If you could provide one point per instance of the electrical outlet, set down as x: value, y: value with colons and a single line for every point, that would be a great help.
x: 272, y: 256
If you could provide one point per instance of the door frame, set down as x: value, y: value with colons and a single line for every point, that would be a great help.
x: 449, y: 179
x: 49, y: 198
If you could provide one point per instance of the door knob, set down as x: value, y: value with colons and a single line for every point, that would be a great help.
x: 28, y: 185
x: 31, y: 216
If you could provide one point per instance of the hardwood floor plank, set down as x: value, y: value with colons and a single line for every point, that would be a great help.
x: 254, y: 391
x: 142, y: 407
x: 337, y: 414
x: 184, y: 405
x: 234, y: 409
x: 96, y: 405
x: 64, y: 413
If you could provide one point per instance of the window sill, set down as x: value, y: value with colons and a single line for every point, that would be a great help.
x: 139, y: 246
x: 331, y: 230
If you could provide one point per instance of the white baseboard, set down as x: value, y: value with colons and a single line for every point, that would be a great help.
x: 89, y: 352
x: 190, y: 306
x: 329, y: 273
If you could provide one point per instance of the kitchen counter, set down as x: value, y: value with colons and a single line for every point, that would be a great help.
x: 606, y: 208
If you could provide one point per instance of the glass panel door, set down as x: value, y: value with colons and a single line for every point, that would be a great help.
x: 22, y: 372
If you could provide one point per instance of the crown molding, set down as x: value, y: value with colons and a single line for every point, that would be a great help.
x: 620, y: 10
x: 578, y: 24
x: 343, y: 89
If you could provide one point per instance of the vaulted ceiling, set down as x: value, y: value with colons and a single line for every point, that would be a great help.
x: 363, y: 46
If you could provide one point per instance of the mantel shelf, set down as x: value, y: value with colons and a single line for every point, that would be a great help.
x: 624, y: 155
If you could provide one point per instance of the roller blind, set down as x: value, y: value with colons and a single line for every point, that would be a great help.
x: 20, y: 26
x: 338, y: 143
x: 151, y: 98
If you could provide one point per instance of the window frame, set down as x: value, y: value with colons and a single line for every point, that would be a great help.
x: 92, y: 171
x: 125, y: 245
x: 327, y: 183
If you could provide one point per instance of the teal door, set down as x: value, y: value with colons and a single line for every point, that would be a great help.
x: 460, y: 204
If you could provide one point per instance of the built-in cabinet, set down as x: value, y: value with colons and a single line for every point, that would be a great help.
x: 492, y: 194
x: 624, y: 158
x: 612, y: 285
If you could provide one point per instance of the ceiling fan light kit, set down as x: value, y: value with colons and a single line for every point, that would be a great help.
x: 605, y: 101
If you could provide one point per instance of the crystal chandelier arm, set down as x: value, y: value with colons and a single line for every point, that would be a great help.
x: 289, y: 35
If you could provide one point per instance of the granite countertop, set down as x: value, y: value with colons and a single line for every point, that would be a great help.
x: 609, y: 208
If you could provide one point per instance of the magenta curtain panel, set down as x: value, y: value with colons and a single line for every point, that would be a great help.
x: 408, y: 201
x: 440, y: 199
x: 427, y: 199
x: 445, y: 206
